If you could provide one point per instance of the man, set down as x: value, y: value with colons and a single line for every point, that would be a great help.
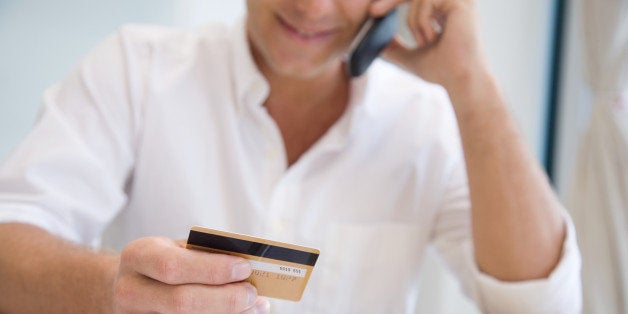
x: 261, y: 131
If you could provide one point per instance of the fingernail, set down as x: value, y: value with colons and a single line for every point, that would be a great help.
x: 241, y: 270
x: 262, y: 306
x: 251, y: 295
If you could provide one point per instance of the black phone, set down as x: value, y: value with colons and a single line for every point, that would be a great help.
x: 374, y: 35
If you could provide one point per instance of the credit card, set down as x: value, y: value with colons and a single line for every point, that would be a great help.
x: 280, y: 270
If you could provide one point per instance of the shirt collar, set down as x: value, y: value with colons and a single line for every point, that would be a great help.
x: 356, y: 116
x: 250, y: 85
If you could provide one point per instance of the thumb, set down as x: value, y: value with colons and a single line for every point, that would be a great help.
x: 181, y: 242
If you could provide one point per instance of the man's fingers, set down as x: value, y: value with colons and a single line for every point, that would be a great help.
x: 425, y: 18
x: 181, y: 242
x: 139, y: 293
x: 261, y: 306
x: 381, y: 7
x: 159, y: 275
x: 165, y: 261
x: 421, y: 17
x: 424, y: 22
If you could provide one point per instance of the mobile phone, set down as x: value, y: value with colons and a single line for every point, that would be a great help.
x: 374, y: 35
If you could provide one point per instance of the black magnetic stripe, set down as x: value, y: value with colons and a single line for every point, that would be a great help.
x: 223, y: 243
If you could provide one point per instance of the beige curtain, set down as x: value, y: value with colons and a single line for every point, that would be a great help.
x: 599, y: 194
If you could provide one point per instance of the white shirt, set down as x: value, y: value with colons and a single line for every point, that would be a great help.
x: 158, y: 130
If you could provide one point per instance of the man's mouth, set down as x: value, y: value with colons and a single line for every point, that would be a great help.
x: 304, y: 33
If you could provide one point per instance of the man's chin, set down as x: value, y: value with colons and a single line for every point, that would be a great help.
x: 307, y: 71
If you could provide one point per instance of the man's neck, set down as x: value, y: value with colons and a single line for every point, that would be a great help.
x: 304, y: 109
x: 310, y: 94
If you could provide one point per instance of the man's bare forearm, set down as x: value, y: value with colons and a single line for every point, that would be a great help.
x: 517, y: 225
x: 44, y: 274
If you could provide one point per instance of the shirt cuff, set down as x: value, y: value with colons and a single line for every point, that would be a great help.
x: 37, y: 217
x: 560, y: 292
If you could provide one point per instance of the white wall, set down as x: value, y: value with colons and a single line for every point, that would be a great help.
x: 197, y: 12
x: 517, y: 37
x: 40, y: 41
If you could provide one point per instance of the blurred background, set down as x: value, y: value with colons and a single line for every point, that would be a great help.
x: 538, y: 50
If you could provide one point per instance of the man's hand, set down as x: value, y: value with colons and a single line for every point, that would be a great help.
x: 160, y: 275
x: 448, y: 48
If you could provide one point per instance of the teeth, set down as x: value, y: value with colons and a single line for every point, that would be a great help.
x: 305, y: 34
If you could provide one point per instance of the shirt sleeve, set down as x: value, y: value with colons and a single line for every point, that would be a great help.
x: 68, y: 176
x: 560, y: 292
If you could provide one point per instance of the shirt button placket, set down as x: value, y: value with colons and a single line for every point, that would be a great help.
x: 282, y: 209
x: 276, y: 222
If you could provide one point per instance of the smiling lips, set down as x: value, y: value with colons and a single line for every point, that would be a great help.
x: 303, y: 34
